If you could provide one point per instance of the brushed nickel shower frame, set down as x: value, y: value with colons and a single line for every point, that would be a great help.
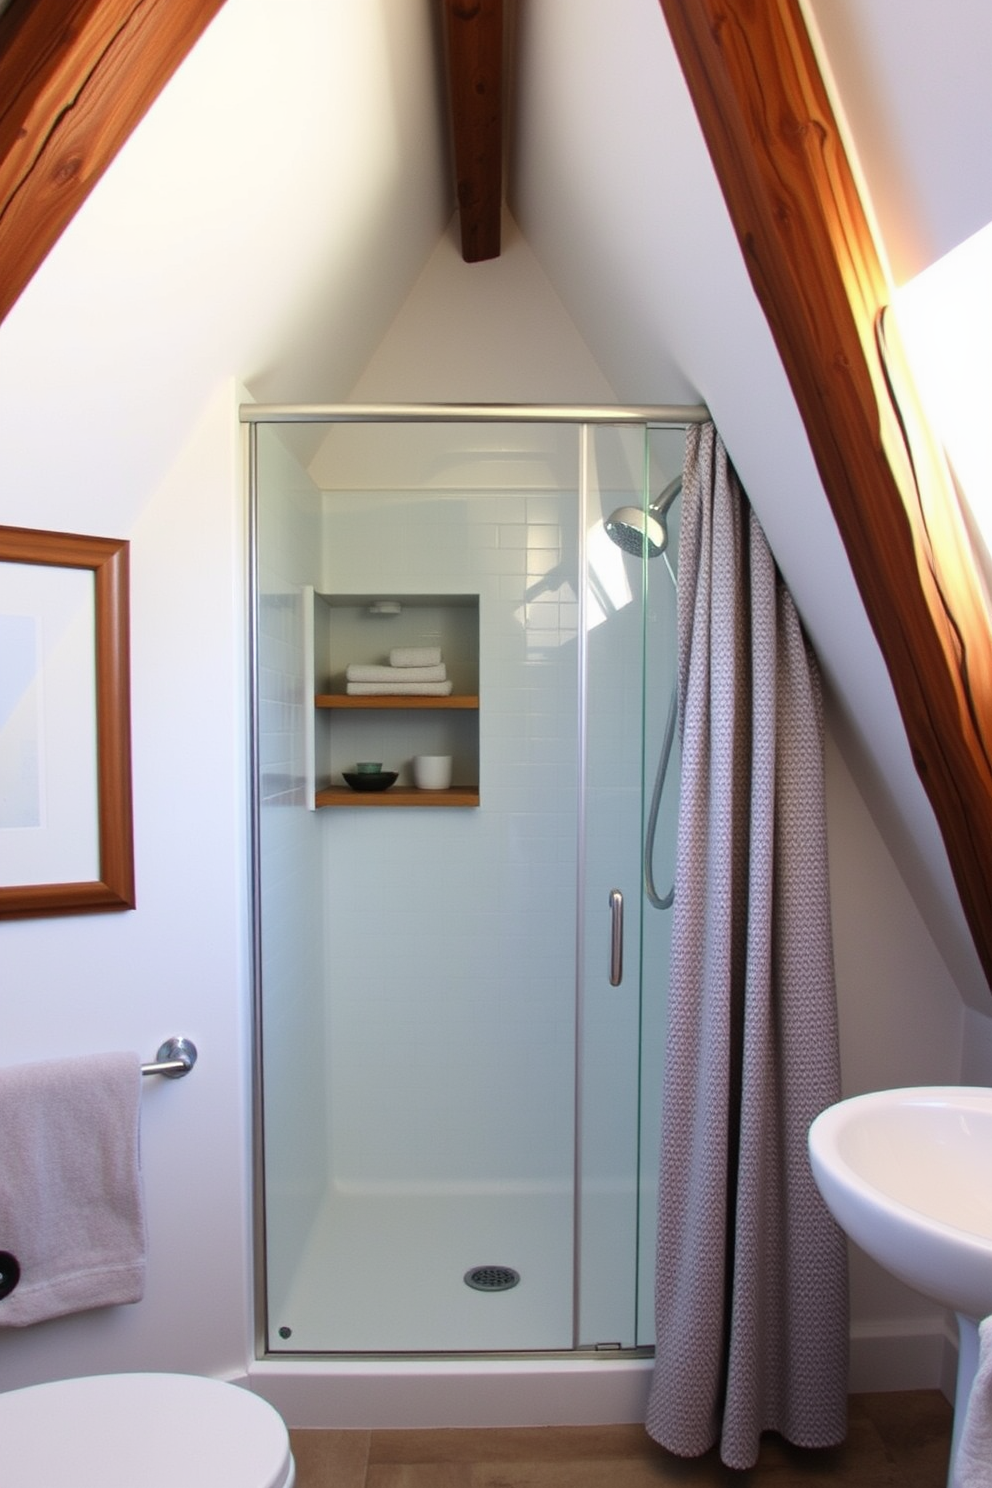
x: 583, y: 417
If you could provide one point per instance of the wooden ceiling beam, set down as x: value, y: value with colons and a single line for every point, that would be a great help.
x: 76, y: 76
x: 474, y: 38
x: 812, y: 259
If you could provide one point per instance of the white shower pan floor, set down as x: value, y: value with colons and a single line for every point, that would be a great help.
x: 384, y: 1273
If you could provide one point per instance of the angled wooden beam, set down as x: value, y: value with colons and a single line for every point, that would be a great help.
x: 75, y: 78
x: 474, y: 34
x: 792, y: 196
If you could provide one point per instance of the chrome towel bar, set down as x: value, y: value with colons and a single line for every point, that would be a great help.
x: 175, y: 1058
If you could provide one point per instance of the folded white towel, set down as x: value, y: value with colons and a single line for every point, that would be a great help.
x: 398, y: 689
x: 71, y: 1208
x: 358, y: 672
x: 415, y: 656
x: 973, y: 1458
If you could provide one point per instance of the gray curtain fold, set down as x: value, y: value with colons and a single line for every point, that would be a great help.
x: 751, y: 1284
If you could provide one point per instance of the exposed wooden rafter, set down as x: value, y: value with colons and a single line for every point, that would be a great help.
x: 474, y: 36
x: 812, y: 259
x: 75, y: 78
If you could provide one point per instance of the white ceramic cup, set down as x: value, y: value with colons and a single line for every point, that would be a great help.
x: 432, y: 771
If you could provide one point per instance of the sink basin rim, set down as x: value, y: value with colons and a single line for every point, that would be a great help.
x: 910, y: 1241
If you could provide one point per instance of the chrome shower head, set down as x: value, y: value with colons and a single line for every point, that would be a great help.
x: 639, y: 532
x: 633, y: 530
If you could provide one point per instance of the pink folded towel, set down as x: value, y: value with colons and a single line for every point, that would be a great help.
x: 398, y: 689
x: 71, y: 1207
x: 358, y: 672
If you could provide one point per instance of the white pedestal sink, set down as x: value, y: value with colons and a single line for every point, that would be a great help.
x: 908, y: 1175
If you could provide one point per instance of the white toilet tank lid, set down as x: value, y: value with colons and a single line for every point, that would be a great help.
x: 141, y: 1431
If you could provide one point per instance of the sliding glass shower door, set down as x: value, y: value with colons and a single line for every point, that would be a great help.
x: 459, y: 1078
x: 628, y: 805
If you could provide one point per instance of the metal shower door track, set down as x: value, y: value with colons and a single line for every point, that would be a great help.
x: 675, y: 414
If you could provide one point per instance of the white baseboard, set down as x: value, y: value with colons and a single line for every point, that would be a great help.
x: 903, y: 1356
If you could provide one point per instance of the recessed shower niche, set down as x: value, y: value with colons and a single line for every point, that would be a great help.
x: 458, y: 1080
x: 392, y: 726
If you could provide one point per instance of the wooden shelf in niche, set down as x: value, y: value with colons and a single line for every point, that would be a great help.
x: 407, y: 704
x: 397, y: 795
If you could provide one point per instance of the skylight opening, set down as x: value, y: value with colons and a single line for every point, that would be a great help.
x: 945, y: 320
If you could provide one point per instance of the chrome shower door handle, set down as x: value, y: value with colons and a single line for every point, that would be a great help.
x: 616, y: 937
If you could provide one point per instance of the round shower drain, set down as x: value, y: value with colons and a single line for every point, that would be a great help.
x: 492, y: 1278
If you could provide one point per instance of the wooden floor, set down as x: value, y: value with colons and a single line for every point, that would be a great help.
x: 894, y: 1441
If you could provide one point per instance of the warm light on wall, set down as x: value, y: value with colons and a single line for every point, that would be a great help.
x: 945, y: 317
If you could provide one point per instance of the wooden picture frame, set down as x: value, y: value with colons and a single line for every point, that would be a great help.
x: 36, y: 825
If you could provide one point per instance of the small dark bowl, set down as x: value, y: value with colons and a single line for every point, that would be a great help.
x: 369, y: 782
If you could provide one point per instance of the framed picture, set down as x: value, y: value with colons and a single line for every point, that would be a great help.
x: 66, y: 835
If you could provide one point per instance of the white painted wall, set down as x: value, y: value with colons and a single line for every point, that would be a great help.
x: 483, y: 333
x: 901, y: 1023
x: 177, y: 963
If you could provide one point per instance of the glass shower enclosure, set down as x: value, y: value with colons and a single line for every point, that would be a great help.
x: 460, y: 993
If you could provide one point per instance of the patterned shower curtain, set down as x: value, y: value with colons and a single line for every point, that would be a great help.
x: 751, y: 1289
